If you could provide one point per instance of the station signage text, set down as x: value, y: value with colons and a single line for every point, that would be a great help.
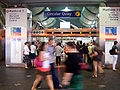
x: 62, y: 14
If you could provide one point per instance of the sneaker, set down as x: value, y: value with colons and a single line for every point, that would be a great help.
x: 115, y: 70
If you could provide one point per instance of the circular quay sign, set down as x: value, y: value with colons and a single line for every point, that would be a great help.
x: 62, y: 14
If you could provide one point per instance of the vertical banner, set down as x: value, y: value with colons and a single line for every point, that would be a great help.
x: 109, y: 22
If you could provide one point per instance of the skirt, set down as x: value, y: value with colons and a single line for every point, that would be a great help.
x: 26, y: 59
x: 32, y: 56
x: 38, y: 72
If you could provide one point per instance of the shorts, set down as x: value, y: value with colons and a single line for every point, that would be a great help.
x: 43, y: 73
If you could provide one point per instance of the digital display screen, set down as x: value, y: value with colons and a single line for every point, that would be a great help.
x: 111, y: 30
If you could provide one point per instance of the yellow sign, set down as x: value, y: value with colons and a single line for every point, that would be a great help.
x: 77, y: 13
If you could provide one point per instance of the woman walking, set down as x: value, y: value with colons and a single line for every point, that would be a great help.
x: 44, y: 70
x: 115, y: 56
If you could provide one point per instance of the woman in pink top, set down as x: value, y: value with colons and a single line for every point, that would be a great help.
x: 45, y: 69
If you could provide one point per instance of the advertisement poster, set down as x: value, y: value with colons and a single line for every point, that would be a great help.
x: 110, y: 30
x: 16, y: 31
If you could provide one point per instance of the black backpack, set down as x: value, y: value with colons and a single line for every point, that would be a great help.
x: 112, y: 51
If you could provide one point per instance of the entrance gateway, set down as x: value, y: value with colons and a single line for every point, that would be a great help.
x: 17, y: 31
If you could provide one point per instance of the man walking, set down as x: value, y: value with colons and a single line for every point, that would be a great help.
x: 51, y: 50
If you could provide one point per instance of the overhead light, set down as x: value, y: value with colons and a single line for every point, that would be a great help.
x: 48, y: 9
x: 66, y: 9
x: 94, y: 22
x: 98, y: 15
x: 92, y: 26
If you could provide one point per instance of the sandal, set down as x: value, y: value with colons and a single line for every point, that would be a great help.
x: 33, y: 88
x: 94, y: 76
x: 26, y: 67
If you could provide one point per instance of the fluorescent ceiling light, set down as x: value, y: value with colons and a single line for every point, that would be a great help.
x: 98, y: 15
x: 66, y: 9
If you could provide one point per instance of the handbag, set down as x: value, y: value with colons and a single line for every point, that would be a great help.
x: 37, y: 62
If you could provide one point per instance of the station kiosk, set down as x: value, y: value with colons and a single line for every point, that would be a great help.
x: 18, y: 31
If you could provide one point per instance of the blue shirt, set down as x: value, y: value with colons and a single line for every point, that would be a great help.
x: 51, y: 50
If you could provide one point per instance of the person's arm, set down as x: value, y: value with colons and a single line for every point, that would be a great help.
x: 94, y: 54
x: 116, y: 51
x: 34, y: 48
x: 61, y: 50
x: 103, y: 53
x: 41, y: 56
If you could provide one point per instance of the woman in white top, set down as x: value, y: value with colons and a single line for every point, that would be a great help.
x: 33, y: 49
x: 58, y: 51
x: 26, y: 54
x: 44, y: 70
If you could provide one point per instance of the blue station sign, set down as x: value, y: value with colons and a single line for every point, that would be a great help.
x: 62, y: 14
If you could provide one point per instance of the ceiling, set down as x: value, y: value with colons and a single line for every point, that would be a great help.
x: 41, y: 3
x: 89, y: 11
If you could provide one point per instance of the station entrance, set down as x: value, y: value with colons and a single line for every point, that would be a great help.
x: 63, y: 36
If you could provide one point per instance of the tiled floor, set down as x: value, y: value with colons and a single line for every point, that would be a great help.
x: 22, y: 79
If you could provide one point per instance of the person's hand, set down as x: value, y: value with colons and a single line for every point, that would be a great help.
x: 103, y: 53
x: 90, y: 56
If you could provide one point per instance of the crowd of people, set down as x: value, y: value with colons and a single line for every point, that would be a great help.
x: 77, y: 54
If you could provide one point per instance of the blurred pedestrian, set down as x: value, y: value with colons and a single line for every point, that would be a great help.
x: 51, y: 50
x: 72, y: 78
x: 44, y: 70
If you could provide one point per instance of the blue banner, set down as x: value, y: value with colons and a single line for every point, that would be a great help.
x: 62, y: 14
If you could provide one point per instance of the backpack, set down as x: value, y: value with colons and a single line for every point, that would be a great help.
x: 112, y: 51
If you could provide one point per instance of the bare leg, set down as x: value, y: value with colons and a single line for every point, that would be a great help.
x: 95, y: 68
x: 26, y: 65
x: 100, y: 68
x: 32, y: 62
x: 50, y: 82
x: 37, y: 80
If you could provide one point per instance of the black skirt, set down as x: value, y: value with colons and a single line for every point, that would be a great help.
x: 26, y: 58
x: 32, y: 56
